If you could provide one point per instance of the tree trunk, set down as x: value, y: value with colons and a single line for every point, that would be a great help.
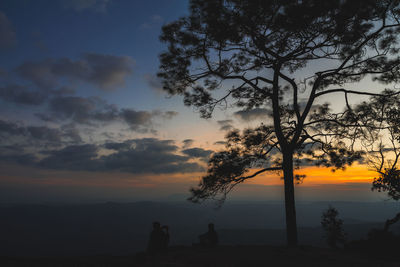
x: 291, y: 225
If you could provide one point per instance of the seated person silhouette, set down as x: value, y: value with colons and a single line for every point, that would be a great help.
x: 209, y: 239
x: 159, y: 238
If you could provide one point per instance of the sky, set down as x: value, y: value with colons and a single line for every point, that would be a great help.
x: 83, y: 116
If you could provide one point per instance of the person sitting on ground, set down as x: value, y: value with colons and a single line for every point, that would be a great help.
x: 209, y: 239
x: 159, y: 238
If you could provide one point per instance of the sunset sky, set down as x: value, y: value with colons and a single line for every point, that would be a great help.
x: 83, y: 116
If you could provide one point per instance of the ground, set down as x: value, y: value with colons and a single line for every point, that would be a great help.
x: 221, y: 256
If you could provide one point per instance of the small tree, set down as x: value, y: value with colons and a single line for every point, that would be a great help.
x: 254, y: 54
x: 333, y: 227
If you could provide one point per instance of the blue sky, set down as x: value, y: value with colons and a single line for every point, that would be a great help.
x: 78, y: 85
x: 81, y: 110
x: 55, y: 29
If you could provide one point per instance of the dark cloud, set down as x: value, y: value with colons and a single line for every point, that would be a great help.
x: 27, y: 159
x: 252, y: 114
x: 118, y: 146
x: 197, y: 152
x: 11, y: 128
x: 75, y: 157
x: 95, y: 110
x: 107, y: 72
x: 136, y: 119
x: 7, y: 34
x: 40, y: 73
x: 147, y: 155
x: 39, y: 135
x: 18, y: 94
x: 153, y: 144
x: 154, y: 82
x: 45, y: 133
x: 225, y: 125
x: 143, y: 144
x: 78, y: 109
x: 45, y: 117
x: 70, y: 132
x: 12, y: 148
x: 22, y: 95
x: 187, y: 143
x: 81, y: 5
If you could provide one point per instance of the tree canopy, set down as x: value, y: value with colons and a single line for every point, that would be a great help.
x: 285, y: 56
x: 384, y: 148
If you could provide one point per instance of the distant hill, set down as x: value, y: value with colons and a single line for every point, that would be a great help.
x: 123, y: 228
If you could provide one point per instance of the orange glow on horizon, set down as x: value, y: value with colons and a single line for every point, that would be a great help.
x: 314, y: 176
x: 320, y: 175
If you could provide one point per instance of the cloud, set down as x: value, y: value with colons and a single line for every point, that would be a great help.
x: 75, y: 157
x: 22, y: 95
x: 40, y: 73
x: 106, y: 72
x: 197, y: 152
x: 7, y: 34
x: 80, y: 109
x: 62, y: 106
x: 42, y: 134
x: 187, y: 143
x: 147, y: 155
x: 252, y: 114
x: 27, y: 159
x: 71, y: 133
x: 93, y: 110
x: 10, y: 128
x: 154, y: 82
x: 136, y: 119
x: 225, y: 125
x: 81, y: 5
x: 24, y: 144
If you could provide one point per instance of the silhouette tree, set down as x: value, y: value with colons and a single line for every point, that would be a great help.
x: 333, y: 227
x: 384, y: 156
x: 283, y: 56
